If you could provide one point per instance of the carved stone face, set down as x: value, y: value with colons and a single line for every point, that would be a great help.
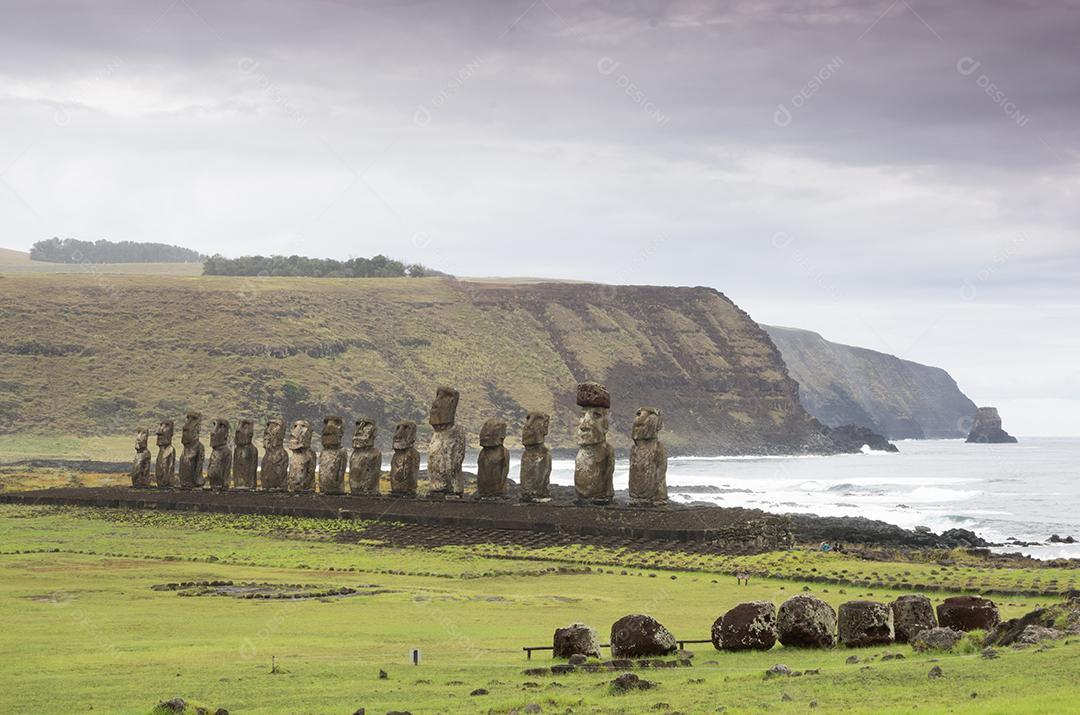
x: 536, y: 428
x: 364, y: 434
x: 593, y: 426
x: 245, y: 430
x: 405, y: 435
x: 492, y: 433
x: 141, y: 438
x: 190, y: 433
x: 331, y: 433
x: 164, y: 433
x: 647, y: 423
x: 444, y: 408
x: 219, y: 432
x: 274, y: 434
x: 300, y: 437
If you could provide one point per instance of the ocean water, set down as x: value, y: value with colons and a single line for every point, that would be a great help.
x: 1028, y: 490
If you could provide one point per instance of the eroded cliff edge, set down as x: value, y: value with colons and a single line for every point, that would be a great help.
x: 107, y: 353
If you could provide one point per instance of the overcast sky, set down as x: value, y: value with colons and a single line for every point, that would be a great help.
x: 897, y: 175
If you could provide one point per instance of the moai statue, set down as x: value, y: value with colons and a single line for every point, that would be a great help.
x: 648, y: 460
x: 245, y: 460
x: 494, y: 462
x: 446, y: 450
x: 405, y: 464
x: 219, y: 467
x: 165, y: 467
x: 536, y: 459
x: 594, y: 467
x: 301, y: 459
x: 365, y: 463
x: 140, y: 467
x: 191, y: 459
x: 275, y: 462
x: 333, y: 459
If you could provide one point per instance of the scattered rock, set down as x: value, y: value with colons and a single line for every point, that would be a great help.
x: 576, y: 639
x: 578, y: 659
x: 935, y: 673
x: 1010, y: 631
x: 177, y: 705
x: 968, y: 613
x: 479, y: 691
x: 1037, y: 634
x: 806, y: 622
x: 852, y: 659
x: 630, y: 681
x: 990, y: 654
x: 383, y: 675
x: 911, y: 615
x: 778, y: 670
x: 533, y: 708
x: 864, y: 623
x: 638, y: 635
x: 786, y: 698
x: 939, y: 639
x: 747, y: 626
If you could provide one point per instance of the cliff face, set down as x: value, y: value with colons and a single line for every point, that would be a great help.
x: 103, y: 354
x: 840, y: 384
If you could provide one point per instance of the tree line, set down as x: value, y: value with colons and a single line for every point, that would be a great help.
x: 375, y: 267
x: 72, y: 250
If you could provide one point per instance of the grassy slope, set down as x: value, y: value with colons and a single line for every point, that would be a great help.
x: 84, y: 629
x: 108, y: 353
x: 18, y: 262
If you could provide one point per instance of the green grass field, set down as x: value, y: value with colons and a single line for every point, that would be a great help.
x: 84, y: 629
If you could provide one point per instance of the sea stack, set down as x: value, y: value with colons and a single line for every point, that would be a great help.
x: 987, y: 428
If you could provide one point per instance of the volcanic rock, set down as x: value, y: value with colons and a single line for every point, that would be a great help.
x: 911, y: 615
x: 638, y: 635
x: 747, y: 626
x: 968, y: 613
x: 987, y: 428
x: 576, y: 639
x: 806, y: 622
x: 864, y: 623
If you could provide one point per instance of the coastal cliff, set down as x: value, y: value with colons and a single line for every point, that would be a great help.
x: 108, y: 353
x: 901, y: 399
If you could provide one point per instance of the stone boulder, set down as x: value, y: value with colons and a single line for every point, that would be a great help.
x: 943, y: 639
x: 806, y: 622
x: 911, y: 615
x: 630, y: 681
x: 747, y: 626
x: 576, y: 639
x: 864, y: 623
x: 968, y: 613
x: 638, y: 635
x: 1066, y: 615
x: 1037, y: 634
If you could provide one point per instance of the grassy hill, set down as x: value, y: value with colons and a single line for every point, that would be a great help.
x: 17, y: 262
x: 841, y: 384
x: 102, y: 354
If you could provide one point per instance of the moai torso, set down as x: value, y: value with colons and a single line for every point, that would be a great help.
x: 275, y: 462
x: 405, y: 464
x: 333, y: 458
x: 245, y: 461
x: 493, y: 464
x: 140, y: 467
x: 446, y: 451
x: 301, y: 458
x: 594, y: 467
x: 648, y: 460
x: 219, y: 468
x: 535, y: 475
x: 193, y: 456
x: 165, y: 467
x: 365, y: 462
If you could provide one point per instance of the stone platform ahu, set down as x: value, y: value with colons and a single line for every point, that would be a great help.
x: 291, y: 463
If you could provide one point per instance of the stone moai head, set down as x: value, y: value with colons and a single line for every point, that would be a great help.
x: 444, y: 408
x: 364, y: 434
x: 405, y: 434
x: 192, y: 425
x: 593, y: 425
x: 333, y: 427
x: 535, y: 430
x: 493, y: 433
x: 164, y: 433
x: 300, y: 437
x: 274, y: 434
x: 647, y: 424
x: 245, y: 432
x: 219, y: 432
x: 141, y: 438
